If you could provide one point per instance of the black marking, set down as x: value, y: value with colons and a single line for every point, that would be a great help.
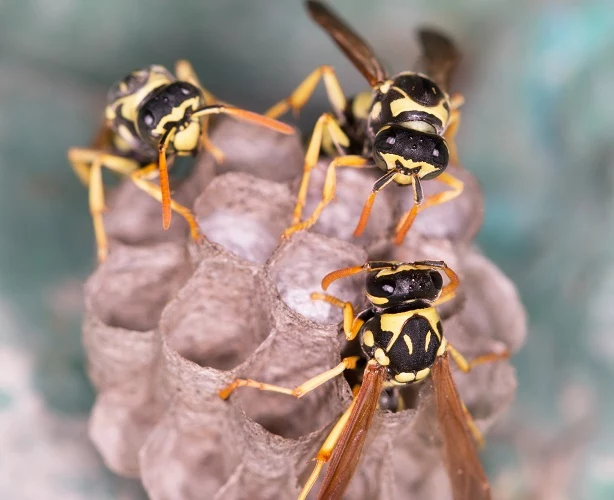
x: 160, y: 104
x: 410, y: 284
x: 417, y: 329
x: 420, y: 89
x: 412, y: 145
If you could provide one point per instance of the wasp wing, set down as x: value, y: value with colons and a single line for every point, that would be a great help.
x: 347, y: 451
x: 467, y: 477
x: 354, y: 47
x: 439, y: 57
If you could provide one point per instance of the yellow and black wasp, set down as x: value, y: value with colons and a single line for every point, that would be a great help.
x: 150, y: 113
x: 401, y: 335
x: 405, y: 125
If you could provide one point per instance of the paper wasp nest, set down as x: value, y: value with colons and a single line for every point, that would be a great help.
x: 169, y: 322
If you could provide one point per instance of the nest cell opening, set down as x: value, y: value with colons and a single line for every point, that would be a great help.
x: 220, y: 317
x: 286, y: 364
x: 245, y: 215
x: 132, y: 287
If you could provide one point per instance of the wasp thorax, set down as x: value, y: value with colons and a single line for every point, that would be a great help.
x: 394, y: 286
x: 166, y: 107
x: 412, y: 152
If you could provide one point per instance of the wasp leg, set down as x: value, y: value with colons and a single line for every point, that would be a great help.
x: 88, y: 164
x: 477, y: 433
x: 185, y: 72
x: 407, y: 220
x: 456, y: 102
x: 466, y: 366
x: 154, y: 191
x: 82, y: 170
x: 326, y: 450
x: 328, y: 192
x: 380, y: 184
x: 351, y: 324
x: 311, y: 159
x: 297, y: 100
x: 299, y: 391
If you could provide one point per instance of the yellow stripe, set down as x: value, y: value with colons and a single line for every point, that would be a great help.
x: 176, y: 114
x: 410, y: 346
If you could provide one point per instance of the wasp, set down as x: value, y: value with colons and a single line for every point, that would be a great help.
x: 401, y: 336
x: 151, y: 113
x: 405, y: 125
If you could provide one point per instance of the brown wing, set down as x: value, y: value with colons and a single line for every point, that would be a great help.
x: 345, y: 456
x: 439, y: 57
x: 354, y: 47
x: 467, y: 477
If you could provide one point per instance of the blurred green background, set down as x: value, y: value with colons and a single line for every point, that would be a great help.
x: 537, y: 130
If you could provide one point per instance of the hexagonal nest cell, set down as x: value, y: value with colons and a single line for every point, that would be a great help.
x: 169, y: 322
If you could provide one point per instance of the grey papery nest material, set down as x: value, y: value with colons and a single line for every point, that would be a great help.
x: 169, y: 322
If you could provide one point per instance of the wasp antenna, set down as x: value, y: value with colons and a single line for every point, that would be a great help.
x: 342, y: 273
x: 164, y: 182
x: 249, y: 116
x: 350, y: 271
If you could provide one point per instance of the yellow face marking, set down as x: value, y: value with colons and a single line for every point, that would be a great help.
x: 381, y: 357
x: 385, y: 86
x: 442, y: 347
x: 391, y: 163
x: 176, y: 115
x: 388, y: 270
x: 405, y: 377
x: 361, y: 105
x: 378, y: 301
x: 368, y: 339
x: 188, y: 138
x: 422, y: 373
x: 376, y: 110
x: 410, y: 346
x: 427, y: 341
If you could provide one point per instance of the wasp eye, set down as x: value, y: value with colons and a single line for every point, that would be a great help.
x: 435, y: 153
x: 148, y: 118
x: 387, y: 287
x: 436, y: 279
x: 185, y: 90
x: 391, y: 140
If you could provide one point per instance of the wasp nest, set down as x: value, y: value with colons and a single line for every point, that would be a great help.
x: 169, y: 322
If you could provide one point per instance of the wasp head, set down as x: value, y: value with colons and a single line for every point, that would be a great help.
x: 170, y: 107
x: 402, y: 283
x: 411, y: 152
